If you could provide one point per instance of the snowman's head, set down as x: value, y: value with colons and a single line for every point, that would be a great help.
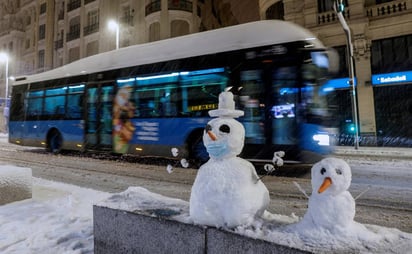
x: 331, y: 175
x: 224, y: 137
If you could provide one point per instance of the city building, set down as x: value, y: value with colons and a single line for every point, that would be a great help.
x: 41, y: 35
x: 382, y: 45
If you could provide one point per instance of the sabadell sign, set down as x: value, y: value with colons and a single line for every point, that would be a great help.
x: 392, y: 78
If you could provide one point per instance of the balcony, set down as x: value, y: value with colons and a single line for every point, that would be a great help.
x: 177, y: 5
x: 73, y: 34
x: 60, y: 16
x: 88, y: 1
x: 73, y: 4
x: 153, y: 7
x: 10, y: 24
x: 180, y: 5
x: 389, y: 9
x: 93, y: 28
x: 58, y: 44
x: 127, y: 20
x: 330, y: 17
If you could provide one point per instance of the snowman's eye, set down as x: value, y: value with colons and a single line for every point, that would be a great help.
x: 338, y: 171
x: 208, y: 128
x: 323, y: 171
x: 224, y: 128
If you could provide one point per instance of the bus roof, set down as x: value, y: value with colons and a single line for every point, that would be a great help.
x: 247, y: 35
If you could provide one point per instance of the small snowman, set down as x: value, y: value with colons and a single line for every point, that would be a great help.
x: 227, y: 191
x: 331, y: 206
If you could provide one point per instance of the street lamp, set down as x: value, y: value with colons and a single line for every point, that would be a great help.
x: 5, y: 58
x: 113, y: 25
x: 339, y: 7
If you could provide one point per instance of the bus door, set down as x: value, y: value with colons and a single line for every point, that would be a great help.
x: 252, y: 101
x: 99, y: 104
x: 268, y: 98
x: 16, y: 125
x: 282, y: 105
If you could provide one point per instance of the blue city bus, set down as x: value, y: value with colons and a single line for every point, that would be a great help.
x: 147, y: 99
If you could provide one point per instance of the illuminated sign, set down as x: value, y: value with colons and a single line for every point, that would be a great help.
x: 203, y: 107
x: 392, y: 78
x: 338, y: 83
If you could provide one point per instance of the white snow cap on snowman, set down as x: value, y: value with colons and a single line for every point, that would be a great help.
x: 226, y: 107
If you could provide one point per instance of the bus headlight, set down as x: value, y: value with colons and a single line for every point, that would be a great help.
x: 322, y: 139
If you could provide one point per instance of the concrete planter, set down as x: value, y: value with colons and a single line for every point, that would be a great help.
x: 119, y: 231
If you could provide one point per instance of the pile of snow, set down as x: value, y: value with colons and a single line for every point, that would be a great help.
x: 284, y: 230
x: 57, y: 219
x: 15, y: 184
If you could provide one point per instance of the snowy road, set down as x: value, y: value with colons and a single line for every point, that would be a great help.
x: 388, y: 202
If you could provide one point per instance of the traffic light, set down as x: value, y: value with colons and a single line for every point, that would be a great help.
x: 350, y: 128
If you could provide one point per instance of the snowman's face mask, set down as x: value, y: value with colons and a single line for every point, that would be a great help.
x: 224, y: 137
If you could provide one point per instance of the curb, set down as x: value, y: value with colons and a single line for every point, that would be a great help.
x: 393, y: 152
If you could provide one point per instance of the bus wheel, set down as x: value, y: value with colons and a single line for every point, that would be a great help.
x: 199, y: 152
x: 54, y: 142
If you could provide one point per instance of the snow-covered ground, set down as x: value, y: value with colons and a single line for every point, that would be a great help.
x: 281, y: 229
x: 58, y: 219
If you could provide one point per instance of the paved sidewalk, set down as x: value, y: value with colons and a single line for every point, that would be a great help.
x: 395, y: 152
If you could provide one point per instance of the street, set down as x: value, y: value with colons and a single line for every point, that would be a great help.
x: 387, y: 200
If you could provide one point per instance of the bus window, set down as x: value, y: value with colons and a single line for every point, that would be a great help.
x: 314, y: 106
x: 250, y: 101
x: 157, y: 95
x: 54, y: 105
x: 200, y: 91
x: 34, y: 104
x: 168, y: 102
x: 285, y: 98
x: 147, y: 106
x: 157, y: 101
x: 16, y: 110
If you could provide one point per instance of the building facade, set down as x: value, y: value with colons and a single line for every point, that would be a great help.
x: 382, y: 44
x: 44, y: 34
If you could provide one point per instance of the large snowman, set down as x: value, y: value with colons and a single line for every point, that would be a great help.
x: 227, y: 191
x: 331, y: 206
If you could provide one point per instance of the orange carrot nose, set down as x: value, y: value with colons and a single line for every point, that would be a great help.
x: 212, y: 135
x: 326, y: 183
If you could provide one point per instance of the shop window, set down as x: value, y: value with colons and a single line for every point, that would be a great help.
x: 392, y: 54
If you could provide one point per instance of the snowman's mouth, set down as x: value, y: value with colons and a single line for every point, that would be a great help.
x: 214, y: 146
x: 326, y: 183
x: 216, y: 149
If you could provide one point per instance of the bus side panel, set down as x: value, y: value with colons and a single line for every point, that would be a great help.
x: 72, y: 132
x: 34, y: 133
x: 16, y: 132
x: 27, y: 133
x: 161, y: 135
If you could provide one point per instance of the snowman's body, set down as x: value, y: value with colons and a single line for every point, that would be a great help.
x: 227, y: 191
x: 331, y: 206
x: 329, y: 211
